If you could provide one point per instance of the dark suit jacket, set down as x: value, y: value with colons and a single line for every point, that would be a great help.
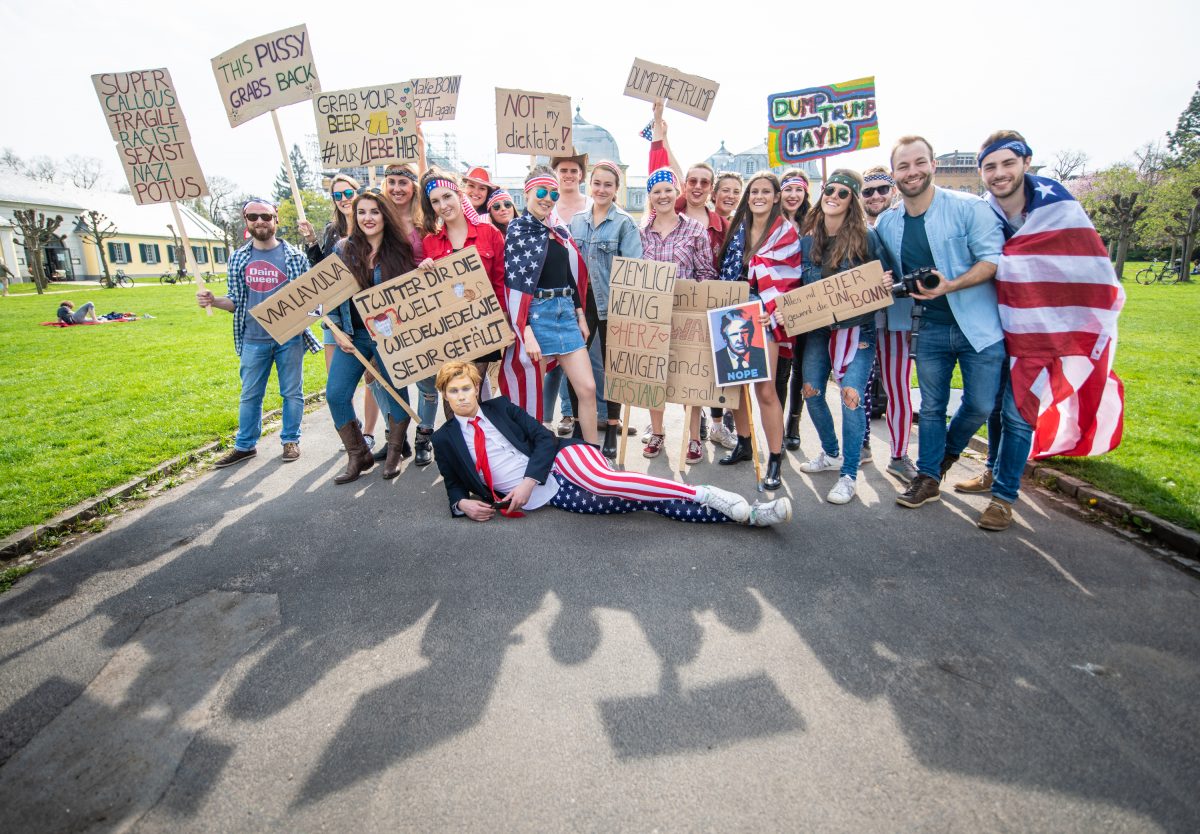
x: 758, y: 362
x: 525, y: 433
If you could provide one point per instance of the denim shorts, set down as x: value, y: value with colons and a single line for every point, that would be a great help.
x: 555, y: 325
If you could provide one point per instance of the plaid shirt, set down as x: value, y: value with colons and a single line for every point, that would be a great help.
x: 686, y: 245
x: 297, y: 265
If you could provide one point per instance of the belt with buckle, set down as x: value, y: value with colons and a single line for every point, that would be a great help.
x: 561, y: 292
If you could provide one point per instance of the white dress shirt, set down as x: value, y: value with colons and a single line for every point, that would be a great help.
x: 507, y: 462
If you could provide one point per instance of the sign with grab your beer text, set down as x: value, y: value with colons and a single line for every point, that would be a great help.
x: 366, y: 125
x: 533, y: 124
x: 639, y: 331
x: 836, y: 298
x: 289, y: 310
x: 428, y: 317
x: 691, y: 375
x: 265, y: 73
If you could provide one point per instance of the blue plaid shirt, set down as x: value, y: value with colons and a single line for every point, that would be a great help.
x: 297, y: 265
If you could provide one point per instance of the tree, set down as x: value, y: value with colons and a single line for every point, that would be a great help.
x: 41, y: 168
x: 317, y: 208
x: 1069, y: 164
x: 36, y: 231
x: 84, y: 171
x: 10, y: 160
x: 304, y: 179
x: 1124, y: 212
x: 1184, y: 141
x: 97, y: 228
x: 1151, y: 162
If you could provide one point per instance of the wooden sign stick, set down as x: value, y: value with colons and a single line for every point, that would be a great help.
x: 287, y: 164
x: 371, y: 369
x: 625, y: 424
x: 687, y: 435
x: 748, y: 394
x: 187, y: 247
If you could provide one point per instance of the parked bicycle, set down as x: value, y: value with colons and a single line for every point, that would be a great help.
x: 179, y: 276
x: 1167, y: 273
x: 118, y: 279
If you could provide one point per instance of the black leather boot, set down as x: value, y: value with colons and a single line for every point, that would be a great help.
x: 611, y: 433
x: 773, y: 481
x: 742, y: 451
x: 424, y: 447
x: 791, y: 438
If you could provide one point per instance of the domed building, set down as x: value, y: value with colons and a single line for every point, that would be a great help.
x: 752, y: 160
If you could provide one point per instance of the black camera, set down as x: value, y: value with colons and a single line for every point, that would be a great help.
x: 925, y: 278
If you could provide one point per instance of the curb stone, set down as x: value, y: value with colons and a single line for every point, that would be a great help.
x: 1185, y: 543
x: 26, y: 540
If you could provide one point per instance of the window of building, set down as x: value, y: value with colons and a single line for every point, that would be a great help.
x: 150, y: 253
x: 200, y: 254
x: 219, y: 255
x: 118, y: 253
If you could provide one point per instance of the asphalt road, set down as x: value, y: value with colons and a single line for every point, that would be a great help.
x: 260, y: 650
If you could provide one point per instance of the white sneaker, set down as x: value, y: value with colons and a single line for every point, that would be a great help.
x: 720, y: 435
x: 821, y: 463
x: 647, y: 434
x: 727, y: 503
x: 842, y: 491
x: 770, y: 513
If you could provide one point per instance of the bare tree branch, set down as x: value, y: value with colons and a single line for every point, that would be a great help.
x: 1069, y: 164
x: 84, y: 171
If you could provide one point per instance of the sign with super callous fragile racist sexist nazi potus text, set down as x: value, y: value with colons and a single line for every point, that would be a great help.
x: 146, y: 121
x: 836, y: 298
x: 639, y: 331
x: 691, y: 374
x: 533, y: 124
x: 428, y: 317
x: 689, y: 94
x: 266, y: 73
x: 366, y: 125
x: 290, y: 309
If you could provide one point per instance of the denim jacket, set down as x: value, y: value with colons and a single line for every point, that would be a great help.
x: 812, y: 273
x: 963, y: 230
x: 340, y: 315
x: 617, y: 234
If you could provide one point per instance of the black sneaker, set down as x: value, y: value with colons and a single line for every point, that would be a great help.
x: 234, y: 456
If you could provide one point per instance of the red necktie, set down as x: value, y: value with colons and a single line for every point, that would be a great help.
x: 481, y: 463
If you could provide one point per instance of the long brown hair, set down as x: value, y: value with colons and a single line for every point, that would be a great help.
x: 431, y: 219
x: 395, y: 252
x: 339, y: 220
x: 850, y: 243
x: 414, y: 205
x: 742, y: 216
x: 806, y: 207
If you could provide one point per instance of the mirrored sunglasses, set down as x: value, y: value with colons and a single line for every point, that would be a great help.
x: 348, y: 194
x: 543, y: 192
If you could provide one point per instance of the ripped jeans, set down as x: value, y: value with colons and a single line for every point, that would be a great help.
x: 817, y: 366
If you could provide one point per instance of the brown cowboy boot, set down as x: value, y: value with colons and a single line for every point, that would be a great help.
x: 397, y: 449
x: 359, y: 458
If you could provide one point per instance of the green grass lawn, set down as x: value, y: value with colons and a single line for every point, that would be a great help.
x: 83, y: 409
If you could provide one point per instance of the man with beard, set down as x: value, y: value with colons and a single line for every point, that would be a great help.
x: 256, y: 272
x: 959, y: 238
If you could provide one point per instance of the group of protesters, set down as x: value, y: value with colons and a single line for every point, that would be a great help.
x: 550, y: 268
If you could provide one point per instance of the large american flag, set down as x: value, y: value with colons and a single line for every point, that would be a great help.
x: 1059, y: 302
x: 776, y: 268
x: 525, y: 245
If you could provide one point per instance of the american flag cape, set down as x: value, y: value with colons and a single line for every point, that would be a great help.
x: 1059, y: 300
x: 524, y: 256
x: 776, y: 269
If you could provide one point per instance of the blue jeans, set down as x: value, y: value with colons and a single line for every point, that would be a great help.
x: 1008, y: 448
x: 939, y: 348
x: 344, y: 373
x: 427, y: 406
x: 255, y: 368
x: 854, y: 420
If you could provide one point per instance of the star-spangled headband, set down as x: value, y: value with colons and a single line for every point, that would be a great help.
x: 542, y: 181
x: 661, y: 175
x: 879, y: 178
x: 846, y: 180
x: 399, y: 171
x: 793, y: 181
x: 501, y: 194
x: 432, y: 184
x: 1015, y: 145
x: 605, y: 163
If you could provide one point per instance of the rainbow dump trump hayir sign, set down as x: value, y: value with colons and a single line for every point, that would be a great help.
x: 822, y: 121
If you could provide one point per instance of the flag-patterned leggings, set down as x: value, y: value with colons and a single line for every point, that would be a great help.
x: 896, y: 363
x: 588, y: 484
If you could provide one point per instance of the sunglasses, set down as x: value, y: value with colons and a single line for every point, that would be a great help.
x: 502, y: 205
x: 542, y: 193
x: 348, y: 194
x: 881, y: 190
x: 252, y: 216
x: 842, y: 193
x: 370, y: 189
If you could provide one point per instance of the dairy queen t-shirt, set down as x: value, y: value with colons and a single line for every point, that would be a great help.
x: 265, y: 274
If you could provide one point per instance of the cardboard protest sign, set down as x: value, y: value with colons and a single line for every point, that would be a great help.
x: 640, y: 299
x: 689, y: 94
x: 821, y: 121
x: 366, y: 125
x: 266, y: 73
x: 837, y: 298
x: 533, y: 123
x: 691, y: 373
x: 738, y: 344
x: 146, y: 121
x: 435, y: 99
x: 290, y: 309
x: 428, y: 317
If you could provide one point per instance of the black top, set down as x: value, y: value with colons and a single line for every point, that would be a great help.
x: 556, y: 272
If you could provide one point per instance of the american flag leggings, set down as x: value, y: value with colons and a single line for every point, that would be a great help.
x: 896, y: 363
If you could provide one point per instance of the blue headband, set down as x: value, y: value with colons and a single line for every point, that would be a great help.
x: 1015, y: 145
x: 661, y: 175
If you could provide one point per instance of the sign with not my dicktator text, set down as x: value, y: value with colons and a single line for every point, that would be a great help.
x: 436, y: 98
x: 639, y: 331
x: 266, y: 73
x: 821, y: 121
x: 428, y: 317
x: 146, y: 121
x: 689, y: 94
x: 366, y: 125
x: 691, y: 373
x: 839, y: 297
x: 536, y: 124
x: 289, y: 311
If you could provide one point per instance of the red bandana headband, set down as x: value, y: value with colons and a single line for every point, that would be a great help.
x: 542, y: 182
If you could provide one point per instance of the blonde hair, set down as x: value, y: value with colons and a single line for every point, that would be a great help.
x: 453, y: 370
